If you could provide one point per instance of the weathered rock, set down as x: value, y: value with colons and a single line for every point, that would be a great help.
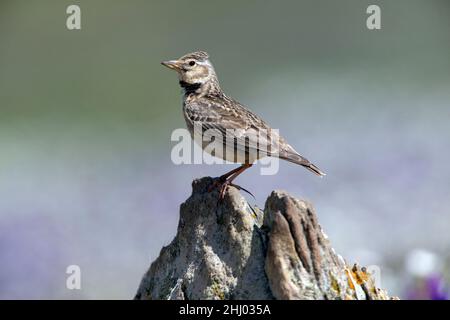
x: 225, y: 251
x: 218, y: 252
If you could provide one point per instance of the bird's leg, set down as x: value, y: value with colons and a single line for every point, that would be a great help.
x: 229, y: 177
x: 227, y: 180
x: 223, y: 178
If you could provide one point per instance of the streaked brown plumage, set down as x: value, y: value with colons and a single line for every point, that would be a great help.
x: 204, y: 102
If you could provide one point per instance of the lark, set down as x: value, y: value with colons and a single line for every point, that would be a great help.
x: 206, y: 107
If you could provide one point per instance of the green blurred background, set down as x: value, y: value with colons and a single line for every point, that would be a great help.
x: 86, y: 117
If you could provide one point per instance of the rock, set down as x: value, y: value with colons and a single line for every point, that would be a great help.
x: 231, y: 251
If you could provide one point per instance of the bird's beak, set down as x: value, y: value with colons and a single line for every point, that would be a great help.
x: 172, y: 64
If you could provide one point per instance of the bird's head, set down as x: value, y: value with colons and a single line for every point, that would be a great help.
x: 195, y: 71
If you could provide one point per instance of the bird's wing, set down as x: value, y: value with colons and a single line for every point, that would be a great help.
x: 234, y: 122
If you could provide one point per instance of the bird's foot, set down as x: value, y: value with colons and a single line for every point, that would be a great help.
x: 243, y: 189
x: 218, y: 182
x: 222, y: 183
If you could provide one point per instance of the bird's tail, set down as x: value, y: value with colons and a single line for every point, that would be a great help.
x: 298, y: 159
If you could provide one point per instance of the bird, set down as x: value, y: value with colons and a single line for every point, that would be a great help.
x: 207, y: 108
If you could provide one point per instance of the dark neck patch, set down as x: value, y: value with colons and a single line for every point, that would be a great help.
x: 190, y: 87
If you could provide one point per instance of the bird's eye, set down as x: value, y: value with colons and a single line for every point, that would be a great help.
x: 192, y: 63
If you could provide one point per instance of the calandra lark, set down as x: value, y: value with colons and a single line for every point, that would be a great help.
x: 206, y: 107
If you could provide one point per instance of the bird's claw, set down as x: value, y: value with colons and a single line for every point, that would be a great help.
x: 218, y: 182
x: 243, y: 189
x: 223, y: 185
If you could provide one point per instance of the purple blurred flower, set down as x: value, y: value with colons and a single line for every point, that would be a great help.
x: 432, y: 287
